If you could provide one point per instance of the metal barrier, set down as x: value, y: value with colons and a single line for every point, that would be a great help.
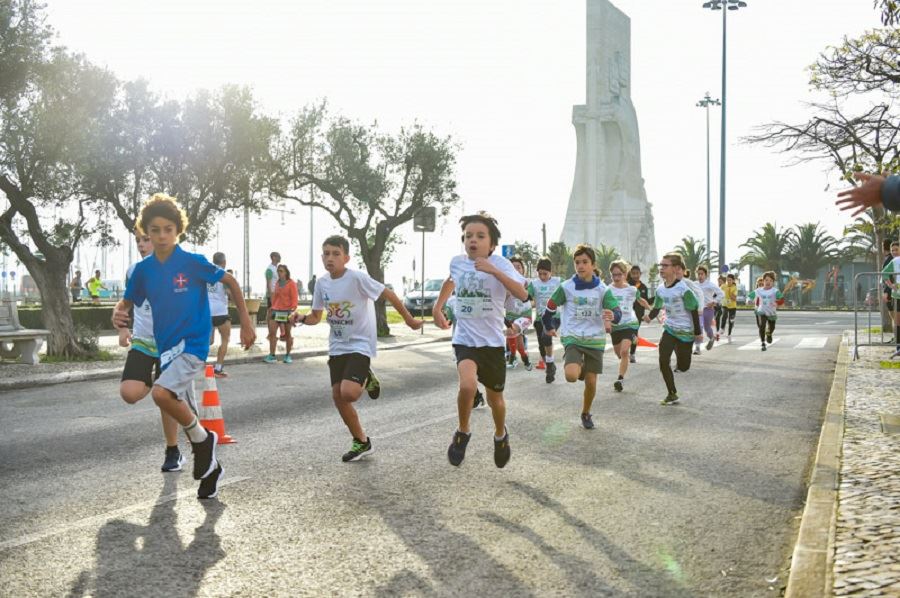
x: 871, y: 303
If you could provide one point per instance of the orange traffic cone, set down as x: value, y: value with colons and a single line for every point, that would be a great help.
x: 642, y: 342
x: 211, y: 409
x: 541, y: 365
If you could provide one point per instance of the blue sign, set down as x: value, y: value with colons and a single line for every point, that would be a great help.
x: 508, y: 250
x: 12, y: 274
x: 724, y: 268
x: 2, y: 274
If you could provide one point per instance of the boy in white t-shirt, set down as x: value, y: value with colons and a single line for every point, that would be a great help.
x: 482, y: 281
x: 221, y: 321
x: 349, y: 295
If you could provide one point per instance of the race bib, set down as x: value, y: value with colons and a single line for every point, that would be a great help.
x: 281, y: 316
x: 587, y: 312
x: 473, y: 307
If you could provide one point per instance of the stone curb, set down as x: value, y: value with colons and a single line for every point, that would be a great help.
x: 114, y: 372
x: 812, y: 561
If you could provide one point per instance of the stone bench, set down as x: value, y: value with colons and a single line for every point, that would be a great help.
x: 18, y: 342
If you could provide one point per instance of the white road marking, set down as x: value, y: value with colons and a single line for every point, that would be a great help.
x: 812, y: 342
x: 756, y: 346
x: 104, y: 517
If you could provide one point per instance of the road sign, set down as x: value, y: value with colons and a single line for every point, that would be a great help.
x: 424, y: 220
x: 508, y: 250
x: 724, y: 268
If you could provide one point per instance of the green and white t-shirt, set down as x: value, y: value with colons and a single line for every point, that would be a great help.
x: 679, y: 301
x: 541, y: 292
x: 766, y: 301
x: 581, y: 314
x: 142, y: 338
x: 626, y: 297
x: 893, y: 269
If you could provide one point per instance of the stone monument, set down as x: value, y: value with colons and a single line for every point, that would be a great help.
x: 608, y: 203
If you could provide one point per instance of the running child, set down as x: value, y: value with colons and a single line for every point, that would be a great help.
x: 729, y: 303
x: 221, y: 321
x: 586, y: 308
x: 624, y: 333
x: 285, y: 297
x: 711, y: 296
x: 348, y: 295
x: 175, y: 282
x: 515, y: 310
x: 142, y: 363
x: 541, y: 289
x: 767, y: 299
x: 481, y: 281
x: 720, y: 313
x: 634, y: 279
x: 682, y: 325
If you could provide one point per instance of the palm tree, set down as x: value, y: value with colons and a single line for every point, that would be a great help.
x: 809, y: 250
x: 767, y: 249
x: 561, y: 259
x: 694, y: 253
x: 605, y: 256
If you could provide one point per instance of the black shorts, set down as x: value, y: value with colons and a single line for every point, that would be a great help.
x: 349, y: 366
x: 219, y: 320
x: 141, y: 367
x: 490, y: 363
x: 626, y: 334
x: 544, y: 340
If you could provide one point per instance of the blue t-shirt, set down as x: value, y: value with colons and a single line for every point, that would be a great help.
x: 178, y: 298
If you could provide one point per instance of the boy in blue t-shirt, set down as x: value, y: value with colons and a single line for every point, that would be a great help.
x: 174, y: 281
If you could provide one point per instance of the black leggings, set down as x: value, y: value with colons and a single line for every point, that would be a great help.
x: 667, y: 345
x: 762, y: 322
x: 728, y: 313
x: 720, y: 317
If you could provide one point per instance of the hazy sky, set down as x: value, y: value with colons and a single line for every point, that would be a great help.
x: 501, y: 77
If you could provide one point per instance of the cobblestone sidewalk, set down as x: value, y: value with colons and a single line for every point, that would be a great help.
x: 867, y: 534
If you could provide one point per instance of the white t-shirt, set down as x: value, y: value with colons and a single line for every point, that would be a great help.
x: 480, y: 299
x: 218, y: 300
x: 694, y: 286
x: 711, y: 293
x: 142, y: 337
x: 350, y: 311
x: 626, y: 296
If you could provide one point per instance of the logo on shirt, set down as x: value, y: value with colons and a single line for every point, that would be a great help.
x: 180, y: 282
x: 340, y: 310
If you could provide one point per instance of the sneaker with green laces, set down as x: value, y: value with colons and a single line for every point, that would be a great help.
x: 270, y: 359
x: 358, y: 449
x: 373, y: 386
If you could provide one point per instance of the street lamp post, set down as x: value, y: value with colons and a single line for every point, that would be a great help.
x: 719, y: 5
x: 705, y: 103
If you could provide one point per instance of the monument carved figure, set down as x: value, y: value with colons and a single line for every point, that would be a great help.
x: 608, y: 203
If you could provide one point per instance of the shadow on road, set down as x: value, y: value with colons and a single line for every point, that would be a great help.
x: 150, y: 560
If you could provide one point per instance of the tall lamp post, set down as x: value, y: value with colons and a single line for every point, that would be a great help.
x: 720, y: 5
x: 705, y: 103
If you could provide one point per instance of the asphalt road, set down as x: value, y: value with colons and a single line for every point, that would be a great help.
x: 696, y: 499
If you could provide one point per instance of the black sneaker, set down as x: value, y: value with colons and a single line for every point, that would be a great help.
x: 550, y: 376
x: 174, y: 459
x: 670, y: 399
x: 373, y: 386
x: 205, y: 455
x: 618, y: 385
x: 479, y: 400
x: 764, y: 346
x: 209, y: 486
x: 501, y: 450
x: 528, y: 365
x: 357, y: 450
x: 769, y: 338
x: 457, y: 451
x: 587, y: 421
x: 709, y: 344
x: 631, y: 359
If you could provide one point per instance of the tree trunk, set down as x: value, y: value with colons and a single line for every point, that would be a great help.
x: 56, y: 312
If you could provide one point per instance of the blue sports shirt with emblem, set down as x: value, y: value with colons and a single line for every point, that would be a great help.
x: 179, y: 301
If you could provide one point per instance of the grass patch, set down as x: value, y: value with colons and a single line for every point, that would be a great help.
x: 393, y: 317
x: 101, y: 355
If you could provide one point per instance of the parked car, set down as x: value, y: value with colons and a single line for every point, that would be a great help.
x: 420, y: 304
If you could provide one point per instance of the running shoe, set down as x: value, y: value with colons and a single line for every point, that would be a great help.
x: 586, y: 421
x: 550, y: 376
x: 896, y: 354
x: 717, y: 337
x: 501, y: 450
x: 670, y: 399
x: 220, y: 373
x: 373, y: 386
x: 511, y: 363
x: 618, y: 385
x: 288, y: 359
x: 205, y: 455
x: 209, y: 486
x: 709, y: 344
x: 457, y: 451
x: 357, y: 450
x: 270, y: 359
x: 479, y: 400
x: 696, y: 350
x: 769, y: 338
x: 764, y: 346
x: 528, y: 365
x: 729, y: 338
x: 631, y: 359
x: 174, y: 459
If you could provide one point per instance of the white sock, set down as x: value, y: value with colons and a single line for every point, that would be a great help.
x: 195, y: 432
x: 548, y: 359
